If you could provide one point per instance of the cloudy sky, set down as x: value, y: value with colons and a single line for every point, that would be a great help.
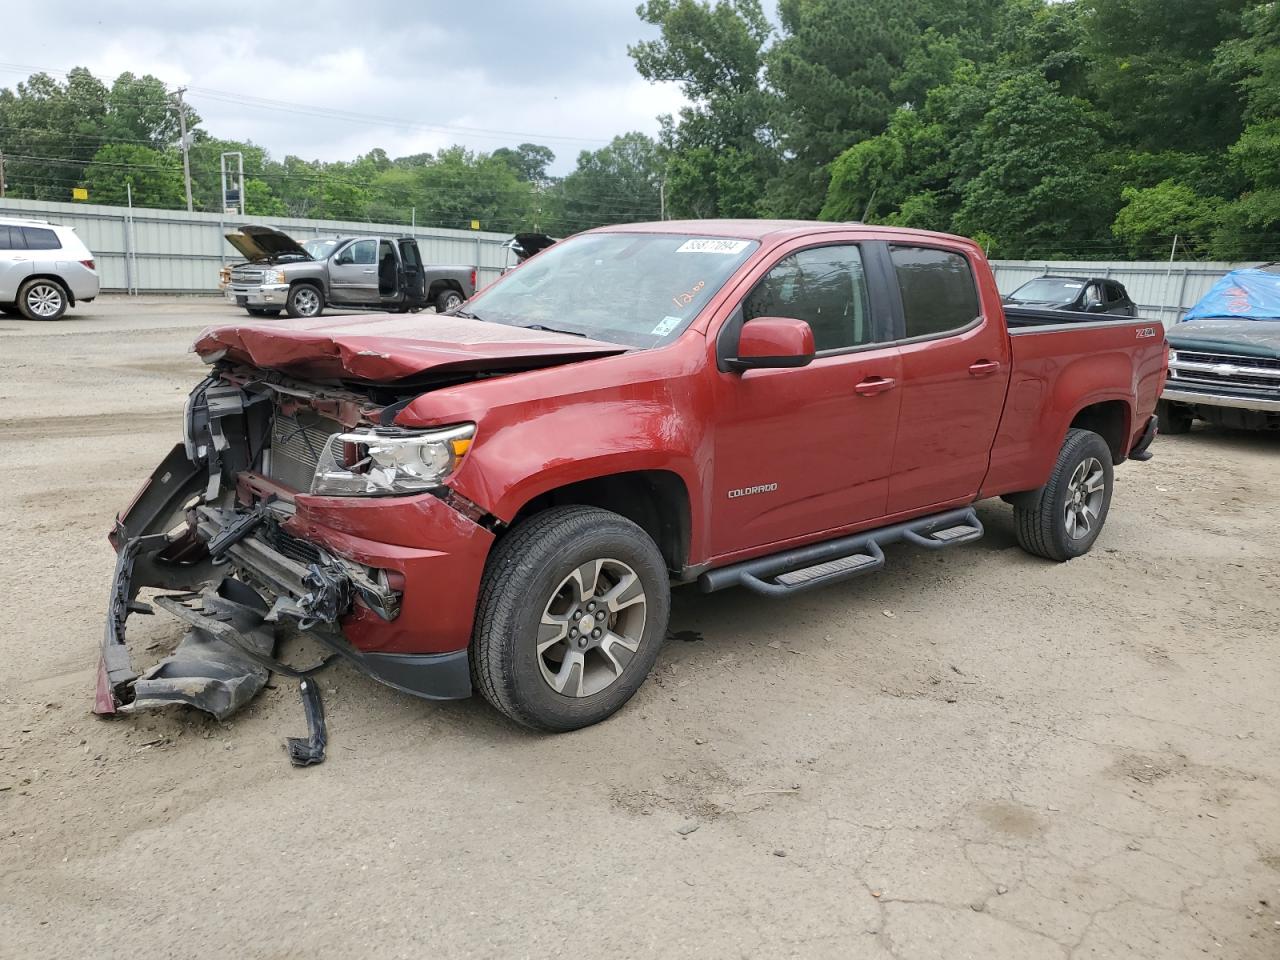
x: 344, y: 77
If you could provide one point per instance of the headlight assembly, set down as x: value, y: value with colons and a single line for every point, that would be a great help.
x: 386, y: 462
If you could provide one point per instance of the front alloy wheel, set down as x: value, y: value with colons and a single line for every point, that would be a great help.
x: 573, y: 608
x: 304, y: 301
x: 591, y: 628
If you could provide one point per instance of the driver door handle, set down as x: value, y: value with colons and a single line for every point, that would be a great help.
x: 984, y: 368
x: 874, y: 386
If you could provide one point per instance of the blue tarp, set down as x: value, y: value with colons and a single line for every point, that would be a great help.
x: 1241, y: 295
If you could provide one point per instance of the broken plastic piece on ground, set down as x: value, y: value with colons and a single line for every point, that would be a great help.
x: 210, y: 670
x: 309, y: 752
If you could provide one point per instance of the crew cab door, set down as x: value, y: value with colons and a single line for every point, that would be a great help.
x: 415, y: 280
x: 805, y: 450
x: 353, y: 273
x: 955, y: 374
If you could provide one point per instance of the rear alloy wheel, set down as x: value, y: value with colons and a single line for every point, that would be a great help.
x: 305, y: 301
x: 42, y: 300
x: 448, y: 300
x: 572, y: 611
x: 1062, y: 520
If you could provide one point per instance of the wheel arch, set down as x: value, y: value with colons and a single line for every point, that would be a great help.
x: 52, y: 278
x: 657, y: 501
x: 1110, y: 419
x: 437, y: 287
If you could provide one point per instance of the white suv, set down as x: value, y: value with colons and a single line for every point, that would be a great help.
x: 44, y: 268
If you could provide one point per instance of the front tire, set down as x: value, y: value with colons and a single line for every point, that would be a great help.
x: 573, y: 609
x: 1174, y: 419
x: 41, y: 299
x: 305, y: 301
x: 1063, y: 520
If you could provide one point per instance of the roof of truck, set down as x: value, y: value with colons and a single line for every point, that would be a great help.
x: 765, y: 229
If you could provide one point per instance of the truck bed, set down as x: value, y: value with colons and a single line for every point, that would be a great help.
x: 1060, y: 368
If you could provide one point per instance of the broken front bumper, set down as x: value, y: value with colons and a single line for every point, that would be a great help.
x: 401, y: 614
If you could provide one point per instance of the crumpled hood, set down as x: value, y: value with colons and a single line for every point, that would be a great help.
x: 383, y: 349
x: 1258, y: 338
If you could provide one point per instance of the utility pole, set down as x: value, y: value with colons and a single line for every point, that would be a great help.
x: 1, y: 174
x: 186, y: 155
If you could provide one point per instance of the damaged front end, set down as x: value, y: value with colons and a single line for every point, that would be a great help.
x: 210, y: 525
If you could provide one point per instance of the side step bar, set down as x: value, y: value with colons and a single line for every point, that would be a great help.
x: 807, y: 568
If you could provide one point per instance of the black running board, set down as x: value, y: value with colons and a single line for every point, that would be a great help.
x: 820, y: 564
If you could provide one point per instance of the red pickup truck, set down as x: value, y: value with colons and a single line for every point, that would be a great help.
x: 502, y: 497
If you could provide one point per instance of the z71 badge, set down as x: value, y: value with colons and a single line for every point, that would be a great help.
x: 1146, y: 333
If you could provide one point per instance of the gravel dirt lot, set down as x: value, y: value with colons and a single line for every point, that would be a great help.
x: 977, y: 754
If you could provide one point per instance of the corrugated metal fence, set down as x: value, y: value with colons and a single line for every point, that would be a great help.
x: 172, y: 251
x: 1162, y: 290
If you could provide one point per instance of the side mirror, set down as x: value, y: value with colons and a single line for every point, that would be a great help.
x: 772, y: 342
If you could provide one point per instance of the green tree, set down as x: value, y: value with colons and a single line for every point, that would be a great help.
x: 1252, y: 60
x: 834, y: 69
x: 1032, y: 178
x: 141, y: 109
x: 720, y: 154
x: 50, y: 131
x: 261, y: 201
x: 154, y: 177
x: 616, y: 184
x: 1153, y: 69
x: 529, y: 161
x: 1151, y: 217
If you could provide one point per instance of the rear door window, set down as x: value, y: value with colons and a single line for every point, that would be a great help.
x: 11, y: 238
x: 938, y: 292
x: 40, y: 238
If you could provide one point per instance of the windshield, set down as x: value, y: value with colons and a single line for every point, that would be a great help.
x: 637, y: 289
x: 1048, y: 290
x: 319, y: 249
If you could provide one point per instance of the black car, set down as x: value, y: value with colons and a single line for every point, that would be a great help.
x: 1076, y: 294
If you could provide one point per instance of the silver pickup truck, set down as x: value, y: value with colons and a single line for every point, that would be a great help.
x: 362, y: 273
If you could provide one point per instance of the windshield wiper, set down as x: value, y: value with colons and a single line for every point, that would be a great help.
x: 464, y: 314
x: 538, y: 326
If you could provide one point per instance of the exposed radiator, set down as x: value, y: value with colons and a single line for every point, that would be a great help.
x: 297, y: 440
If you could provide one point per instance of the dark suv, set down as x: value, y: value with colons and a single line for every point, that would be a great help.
x: 1075, y: 294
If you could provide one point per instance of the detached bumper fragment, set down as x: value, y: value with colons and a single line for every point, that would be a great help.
x: 213, y: 669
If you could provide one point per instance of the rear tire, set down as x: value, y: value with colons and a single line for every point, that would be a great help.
x: 305, y: 301
x: 573, y: 609
x: 1174, y: 418
x: 41, y: 299
x: 1063, y: 520
x: 447, y: 300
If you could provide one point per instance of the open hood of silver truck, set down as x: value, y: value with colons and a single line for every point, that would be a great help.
x: 261, y: 244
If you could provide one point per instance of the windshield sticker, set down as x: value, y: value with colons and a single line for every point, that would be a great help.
x: 1073, y: 286
x: 666, y: 326
x: 713, y: 245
